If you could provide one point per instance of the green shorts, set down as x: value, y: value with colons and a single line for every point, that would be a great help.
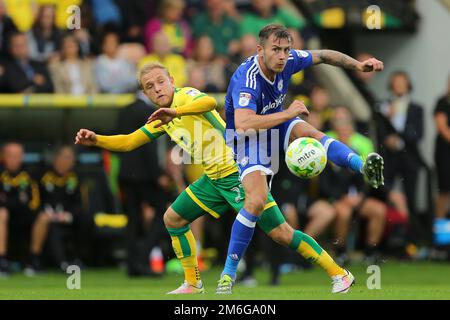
x: 220, y: 196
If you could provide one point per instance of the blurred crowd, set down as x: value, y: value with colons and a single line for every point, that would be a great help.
x: 48, y: 216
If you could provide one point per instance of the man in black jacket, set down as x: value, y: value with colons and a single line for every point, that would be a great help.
x: 21, y: 222
x: 442, y: 153
x: 61, y: 200
x: 21, y: 74
x: 400, y: 130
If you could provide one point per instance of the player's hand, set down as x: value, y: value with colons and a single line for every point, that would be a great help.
x: 370, y: 65
x: 297, y: 108
x: 165, y: 115
x: 86, y: 138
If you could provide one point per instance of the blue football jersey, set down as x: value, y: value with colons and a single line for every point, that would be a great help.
x: 249, y: 88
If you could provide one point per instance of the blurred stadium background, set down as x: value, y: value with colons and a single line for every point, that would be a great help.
x: 71, y: 64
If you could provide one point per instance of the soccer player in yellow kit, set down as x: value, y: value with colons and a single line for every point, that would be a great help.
x: 188, y: 117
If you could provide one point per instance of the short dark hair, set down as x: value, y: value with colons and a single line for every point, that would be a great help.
x: 280, y: 32
x: 401, y: 73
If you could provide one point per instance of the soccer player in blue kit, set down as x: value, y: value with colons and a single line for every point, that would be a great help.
x: 255, y: 117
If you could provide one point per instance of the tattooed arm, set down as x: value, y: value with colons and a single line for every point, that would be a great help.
x: 340, y: 59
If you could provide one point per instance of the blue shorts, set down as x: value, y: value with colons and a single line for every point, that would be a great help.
x: 262, y: 151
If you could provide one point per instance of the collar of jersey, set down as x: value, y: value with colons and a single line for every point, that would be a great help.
x: 262, y: 73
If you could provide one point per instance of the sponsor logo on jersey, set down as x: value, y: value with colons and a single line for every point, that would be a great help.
x: 273, y: 105
x: 280, y: 85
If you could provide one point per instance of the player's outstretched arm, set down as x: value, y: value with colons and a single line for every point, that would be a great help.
x: 340, y: 59
x: 117, y: 143
x: 246, y: 119
x: 199, y: 106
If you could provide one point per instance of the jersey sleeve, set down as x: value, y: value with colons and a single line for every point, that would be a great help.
x: 151, y: 132
x: 245, y: 92
x: 299, y: 60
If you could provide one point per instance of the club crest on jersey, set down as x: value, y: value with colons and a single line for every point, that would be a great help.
x: 280, y: 85
x: 302, y: 53
x: 193, y: 92
x: 244, y: 99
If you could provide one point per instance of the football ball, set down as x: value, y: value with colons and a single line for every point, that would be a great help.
x: 306, y: 157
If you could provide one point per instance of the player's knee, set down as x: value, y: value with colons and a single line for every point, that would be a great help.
x: 255, y: 201
x: 256, y: 205
x: 172, y: 219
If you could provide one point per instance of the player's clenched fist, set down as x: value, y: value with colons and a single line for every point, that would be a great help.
x: 297, y: 108
x: 370, y: 65
x: 86, y: 137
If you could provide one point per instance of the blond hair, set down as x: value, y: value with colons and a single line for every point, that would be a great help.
x: 149, y: 67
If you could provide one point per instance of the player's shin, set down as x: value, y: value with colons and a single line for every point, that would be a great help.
x: 342, y: 155
x: 311, y: 250
x: 185, y: 247
x: 241, y: 235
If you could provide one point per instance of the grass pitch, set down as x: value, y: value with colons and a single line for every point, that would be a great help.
x: 424, y: 280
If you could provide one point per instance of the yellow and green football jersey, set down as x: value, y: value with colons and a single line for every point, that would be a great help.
x: 200, y: 136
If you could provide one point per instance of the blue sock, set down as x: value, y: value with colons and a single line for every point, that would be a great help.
x: 342, y: 155
x: 241, y: 235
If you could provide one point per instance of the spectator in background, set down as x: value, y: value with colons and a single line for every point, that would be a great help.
x: 19, y: 212
x: 22, y: 74
x: 347, y: 189
x: 266, y: 12
x: 196, y: 79
x: 363, y: 79
x: 170, y: 21
x: 114, y: 74
x: 44, y: 37
x: 213, y: 68
x: 442, y: 153
x: 247, y: 48
x: 88, y: 33
x: 73, y: 74
x: 320, y: 103
x: 301, y: 82
x: 135, y: 14
x: 7, y: 27
x: 400, y: 135
x: 61, y: 201
x: 175, y: 63
x: 219, y: 27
